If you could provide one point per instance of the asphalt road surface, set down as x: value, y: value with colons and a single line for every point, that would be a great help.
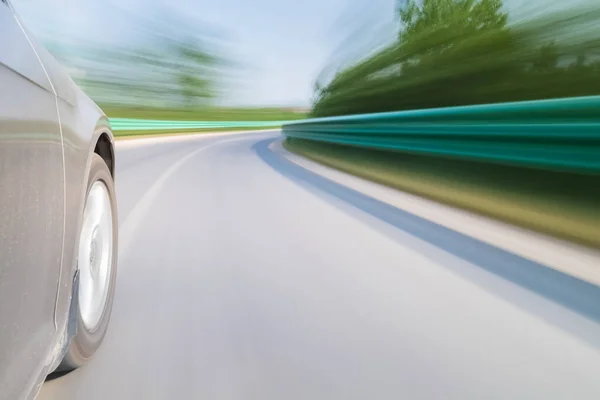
x: 244, y: 276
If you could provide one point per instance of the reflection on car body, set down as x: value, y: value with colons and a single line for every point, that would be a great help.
x: 58, y: 226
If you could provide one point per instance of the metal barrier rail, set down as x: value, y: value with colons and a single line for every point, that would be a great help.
x: 559, y: 134
x: 127, y: 124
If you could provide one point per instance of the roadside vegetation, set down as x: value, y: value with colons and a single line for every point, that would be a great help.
x: 463, y: 52
x: 203, y: 114
x: 564, y: 205
x: 199, y: 114
x: 170, y: 68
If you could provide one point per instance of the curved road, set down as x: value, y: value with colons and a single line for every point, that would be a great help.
x: 243, y: 276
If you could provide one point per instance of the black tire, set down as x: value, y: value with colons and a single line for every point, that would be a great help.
x: 84, y: 343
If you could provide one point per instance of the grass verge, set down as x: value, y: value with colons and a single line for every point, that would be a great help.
x: 563, y: 205
x: 203, y: 114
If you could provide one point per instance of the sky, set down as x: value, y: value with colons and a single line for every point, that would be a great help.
x: 281, y: 46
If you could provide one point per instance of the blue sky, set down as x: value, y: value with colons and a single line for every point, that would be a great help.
x: 281, y: 45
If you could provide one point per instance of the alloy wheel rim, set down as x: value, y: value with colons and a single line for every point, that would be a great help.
x: 95, y: 255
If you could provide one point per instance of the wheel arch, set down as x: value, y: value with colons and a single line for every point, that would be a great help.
x: 102, y: 142
x: 105, y: 149
x: 94, y: 137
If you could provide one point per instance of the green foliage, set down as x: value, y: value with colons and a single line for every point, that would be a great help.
x: 198, y: 114
x: 556, y: 203
x: 459, y: 52
x: 169, y: 64
x: 171, y: 71
x: 202, y: 114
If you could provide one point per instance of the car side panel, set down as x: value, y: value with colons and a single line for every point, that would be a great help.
x: 31, y: 212
x: 82, y: 124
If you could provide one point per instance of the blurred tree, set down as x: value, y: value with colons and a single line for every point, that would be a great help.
x: 459, y: 52
x: 435, y: 40
x: 465, y: 16
x: 547, y: 59
x: 168, y: 62
x: 196, y: 74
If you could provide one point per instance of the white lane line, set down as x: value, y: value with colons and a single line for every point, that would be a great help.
x: 131, y: 142
x: 128, y: 229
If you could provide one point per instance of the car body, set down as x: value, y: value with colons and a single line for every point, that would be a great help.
x: 51, y: 136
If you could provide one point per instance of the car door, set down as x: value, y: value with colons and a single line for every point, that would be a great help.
x: 31, y: 210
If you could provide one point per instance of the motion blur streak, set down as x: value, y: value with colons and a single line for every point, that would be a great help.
x: 245, y: 276
x: 461, y: 52
x: 130, y: 124
x: 140, y: 210
x: 249, y: 281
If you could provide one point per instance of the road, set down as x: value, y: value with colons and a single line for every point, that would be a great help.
x: 242, y: 276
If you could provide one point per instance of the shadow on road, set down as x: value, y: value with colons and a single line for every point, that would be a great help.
x: 563, y: 291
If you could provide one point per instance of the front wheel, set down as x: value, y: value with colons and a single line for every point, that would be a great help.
x: 97, y: 266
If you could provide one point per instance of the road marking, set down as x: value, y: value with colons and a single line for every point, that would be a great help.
x: 128, y: 228
x: 129, y: 142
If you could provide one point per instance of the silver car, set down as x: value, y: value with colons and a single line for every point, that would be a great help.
x: 58, y: 216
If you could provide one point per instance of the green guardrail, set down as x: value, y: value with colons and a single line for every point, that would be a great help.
x: 557, y: 134
x: 129, y: 124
